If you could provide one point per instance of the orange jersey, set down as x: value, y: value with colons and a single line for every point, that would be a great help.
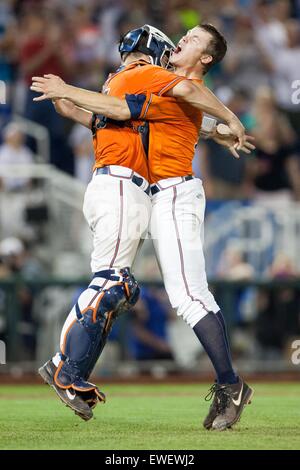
x: 121, y: 145
x: 174, y: 132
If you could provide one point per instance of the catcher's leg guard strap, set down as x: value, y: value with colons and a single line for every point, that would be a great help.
x: 87, y: 334
x: 132, y: 291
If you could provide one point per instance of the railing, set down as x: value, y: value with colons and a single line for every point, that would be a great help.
x: 37, y: 132
x: 226, y: 292
x: 66, y: 188
x: 258, y: 230
x: 65, y: 231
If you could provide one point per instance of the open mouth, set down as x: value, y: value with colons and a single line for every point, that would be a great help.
x: 177, y: 50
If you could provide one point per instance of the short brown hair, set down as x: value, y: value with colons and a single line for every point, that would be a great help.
x: 217, y: 46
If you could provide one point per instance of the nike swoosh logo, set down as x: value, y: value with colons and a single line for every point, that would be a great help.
x: 238, y: 401
x: 70, y: 395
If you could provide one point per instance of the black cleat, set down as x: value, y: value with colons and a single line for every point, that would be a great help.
x: 91, y: 399
x: 230, y: 402
x: 67, y: 396
x: 213, y: 409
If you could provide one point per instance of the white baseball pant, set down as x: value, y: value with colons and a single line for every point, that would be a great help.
x: 176, y: 228
x: 118, y: 213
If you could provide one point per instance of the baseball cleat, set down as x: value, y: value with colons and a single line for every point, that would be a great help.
x: 230, y: 402
x: 91, y: 399
x: 213, y: 409
x: 67, y: 396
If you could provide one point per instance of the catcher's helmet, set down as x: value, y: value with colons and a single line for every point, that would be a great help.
x: 150, y: 41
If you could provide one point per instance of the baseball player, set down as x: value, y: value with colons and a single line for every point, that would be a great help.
x: 178, y: 204
x: 117, y: 208
x: 170, y: 198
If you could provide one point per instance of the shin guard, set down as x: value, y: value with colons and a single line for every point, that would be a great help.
x: 87, y: 334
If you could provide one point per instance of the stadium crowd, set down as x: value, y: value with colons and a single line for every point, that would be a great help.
x: 259, y: 80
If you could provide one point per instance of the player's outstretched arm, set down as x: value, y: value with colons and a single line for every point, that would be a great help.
x: 202, y: 98
x: 69, y: 110
x: 53, y: 87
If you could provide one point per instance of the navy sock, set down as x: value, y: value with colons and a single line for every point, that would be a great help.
x: 211, y: 332
x: 222, y: 320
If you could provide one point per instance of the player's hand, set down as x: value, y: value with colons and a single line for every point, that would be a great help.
x: 238, y: 130
x: 51, y: 87
x: 64, y: 107
x: 223, y: 136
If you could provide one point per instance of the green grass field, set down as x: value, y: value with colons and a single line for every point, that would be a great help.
x: 147, y: 417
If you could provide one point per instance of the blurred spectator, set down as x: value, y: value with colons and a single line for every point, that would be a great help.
x: 225, y: 177
x: 78, y: 41
x: 233, y: 266
x: 8, y: 41
x: 116, y: 18
x: 267, y: 19
x: 89, y: 48
x: 277, y: 321
x: 151, y: 315
x: 18, y: 261
x: 282, y: 267
x: 10, y: 251
x: 14, y: 152
x: 284, y: 64
x: 44, y: 49
x: 278, y: 318
x: 296, y: 6
x: 8, y: 56
x: 226, y: 12
x: 282, y: 10
x: 243, y: 62
x: 277, y: 169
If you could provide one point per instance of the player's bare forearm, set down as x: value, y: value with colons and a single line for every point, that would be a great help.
x: 200, y: 97
x: 53, y: 87
x: 69, y: 110
x: 97, y: 103
x: 83, y: 117
x: 203, y: 99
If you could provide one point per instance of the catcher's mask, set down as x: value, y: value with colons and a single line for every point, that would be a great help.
x: 150, y: 41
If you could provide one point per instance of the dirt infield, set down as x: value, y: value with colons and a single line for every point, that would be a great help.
x: 6, y: 379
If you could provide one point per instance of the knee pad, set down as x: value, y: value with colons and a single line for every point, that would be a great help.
x: 87, y: 334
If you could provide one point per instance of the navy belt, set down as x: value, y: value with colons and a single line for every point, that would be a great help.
x: 137, y: 180
x: 155, y: 188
